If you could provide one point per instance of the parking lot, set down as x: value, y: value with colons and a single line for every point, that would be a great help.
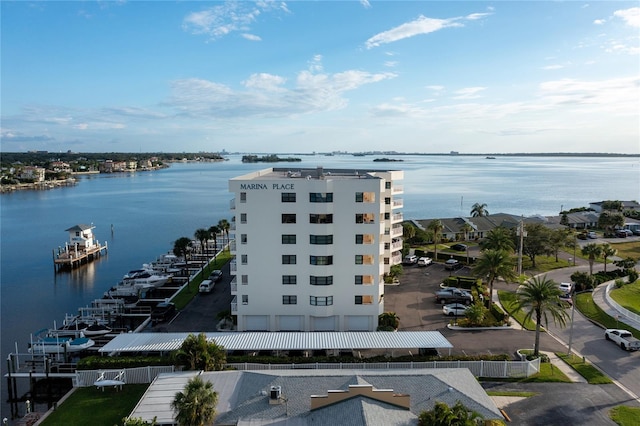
x: 413, y: 300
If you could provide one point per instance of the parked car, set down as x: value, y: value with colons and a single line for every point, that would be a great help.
x: 206, y: 286
x: 453, y: 295
x: 215, y: 275
x: 621, y: 233
x: 410, y: 259
x: 459, y: 247
x: 566, y: 287
x: 592, y: 235
x: 452, y: 264
x: 163, y: 312
x: 425, y: 261
x: 582, y: 236
x: 629, y: 232
x: 454, y: 309
x: 636, y: 231
x: 566, y: 300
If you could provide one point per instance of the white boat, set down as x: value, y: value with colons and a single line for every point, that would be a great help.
x: 96, y: 330
x: 148, y: 279
x: 60, y: 345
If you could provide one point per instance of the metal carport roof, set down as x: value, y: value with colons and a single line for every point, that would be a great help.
x: 256, y: 341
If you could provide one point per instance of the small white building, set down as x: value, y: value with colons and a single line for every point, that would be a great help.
x: 82, y: 235
x: 312, y: 247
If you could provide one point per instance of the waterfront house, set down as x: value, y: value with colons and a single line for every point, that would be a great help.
x: 82, y: 236
x: 35, y: 174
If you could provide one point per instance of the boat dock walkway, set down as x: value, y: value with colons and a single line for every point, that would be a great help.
x: 72, y: 257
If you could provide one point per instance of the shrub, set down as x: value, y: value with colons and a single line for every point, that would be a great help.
x: 498, y: 313
x: 100, y: 362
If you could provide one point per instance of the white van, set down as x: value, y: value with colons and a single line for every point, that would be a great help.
x: 206, y: 286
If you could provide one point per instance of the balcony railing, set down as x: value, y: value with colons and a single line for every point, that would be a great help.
x: 232, y: 204
x: 397, y: 217
x: 398, y: 202
x: 234, y: 305
x: 234, y: 285
x: 396, y: 246
x: 233, y: 266
x: 396, y: 231
x: 397, y: 189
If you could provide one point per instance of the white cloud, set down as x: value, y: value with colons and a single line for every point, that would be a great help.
x: 553, y: 67
x: 469, y: 93
x: 365, y: 4
x: 419, y: 26
x: 263, y: 81
x: 600, y: 21
x: 251, y: 37
x: 629, y: 16
x: 229, y: 17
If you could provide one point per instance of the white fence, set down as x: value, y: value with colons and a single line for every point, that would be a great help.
x: 623, y: 311
x: 86, y: 378
x: 494, y: 369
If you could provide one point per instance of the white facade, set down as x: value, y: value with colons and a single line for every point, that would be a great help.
x: 312, y: 247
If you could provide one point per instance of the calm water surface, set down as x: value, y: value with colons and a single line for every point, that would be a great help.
x: 150, y: 210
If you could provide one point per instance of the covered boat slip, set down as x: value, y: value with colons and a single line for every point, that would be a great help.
x: 283, y: 341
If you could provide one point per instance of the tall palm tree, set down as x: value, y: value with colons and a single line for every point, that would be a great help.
x: 607, y: 252
x: 479, y: 210
x: 466, y: 229
x: 181, y: 246
x: 443, y: 415
x: 493, y: 264
x: 594, y: 251
x: 435, y: 227
x: 541, y: 296
x: 224, y: 226
x: 499, y: 238
x: 213, y: 233
x: 197, y: 353
x: 196, y: 404
x: 202, y: 235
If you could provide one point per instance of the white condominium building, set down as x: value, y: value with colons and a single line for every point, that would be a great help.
x: 312, y: 247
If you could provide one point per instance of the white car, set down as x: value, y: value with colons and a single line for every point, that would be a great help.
x: 425, y: 261
x: 454, y: 309
x: 566, y: 288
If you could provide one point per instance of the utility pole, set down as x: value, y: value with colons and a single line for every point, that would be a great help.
x: 521, y: 233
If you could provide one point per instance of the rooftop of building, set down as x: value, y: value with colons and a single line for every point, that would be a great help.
x: 318, y: 173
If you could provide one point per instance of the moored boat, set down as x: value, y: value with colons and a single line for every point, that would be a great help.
x: 96, y: 330
x: 59, y: 345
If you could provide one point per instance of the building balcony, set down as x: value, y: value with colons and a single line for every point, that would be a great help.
x: 234, y: 285
x: 232, y: 204
x: 232, y: 246
x: 397, y: 245
x: 397, y: 231
x: 397, y: 203
x: 397, y: 217
x: 396, y: 259
x: 234, y: 305
x: 397, y: 189
x: 233, y: 266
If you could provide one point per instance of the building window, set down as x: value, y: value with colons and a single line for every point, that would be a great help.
x: 288, y: 218
x: 387, y: 185
x: 244, y: 279
x: 288, y: 197
x: 289, y: 300
x: 321, y: 280
x: 387, y: 200
x: 358, y: 280
x: 321, y: 239
x: 320, y: 218
x: 243, y: 218
x: 364, y: 239
x: 288, y: 259
x: 245, y: 299
x: 359, y: 259
x: 321, y: 197
x: 289, y: 279
x: 365, y: 218
x: 243, y: 259
x: 288, y: 238
x: 387, y: 216
x: 364, y: 300
x: 321, y: 301
x: 365, y: 197
x: 363, y: 279
x: 243, y: 238
x: 243, y: 197
x: 321, y: 260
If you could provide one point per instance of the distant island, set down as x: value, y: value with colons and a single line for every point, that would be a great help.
x: 268, y: 159
x: 387, y: 160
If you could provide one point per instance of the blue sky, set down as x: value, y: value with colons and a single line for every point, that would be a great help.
x: 305, y: 76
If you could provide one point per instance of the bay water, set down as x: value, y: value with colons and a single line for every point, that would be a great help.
x: 140, y: 215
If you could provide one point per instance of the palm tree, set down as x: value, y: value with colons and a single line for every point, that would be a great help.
x: 466, y: 228
x: 479, y: 210
x: 213, y: 233
x: 196, y: 404
x: 197, y: 353
x: 607, y: 251
x: 594, y: 251
x: 435, y: 227
x: 499, y: 238
x: 224, y: 226
x: 180, y: 247
x: 493, y: 264
x: 541, y: 296
x: 443, y: 415
x: 389, y: 319
x: 408, y: 231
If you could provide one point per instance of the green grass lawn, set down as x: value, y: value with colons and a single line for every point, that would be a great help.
x: 585, y: 369
x: 544, y: 264
x: 628, y: 296
x: 625, y: 416
x: 585, y: 304
x: 627, y: 249
x: 548, y: 374
x: 508, y: 301
x: 93, y: 407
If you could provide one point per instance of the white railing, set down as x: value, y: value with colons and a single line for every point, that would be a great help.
x: 398, y: 202
x: 147, y: 374
x: 397, y: 217
x: 396, y: 246
x: 494, y: 369
x: 397, y: 231
x: 234, y: 305
x: 234, y: 285
x: 397, y: 189
x: 232, y: 204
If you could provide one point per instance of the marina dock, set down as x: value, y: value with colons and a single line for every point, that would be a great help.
x: 81, y: 248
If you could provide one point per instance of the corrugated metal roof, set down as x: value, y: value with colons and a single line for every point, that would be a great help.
x: 256, y: 341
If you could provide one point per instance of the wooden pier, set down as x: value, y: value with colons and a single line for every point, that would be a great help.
x: 73, y: 257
